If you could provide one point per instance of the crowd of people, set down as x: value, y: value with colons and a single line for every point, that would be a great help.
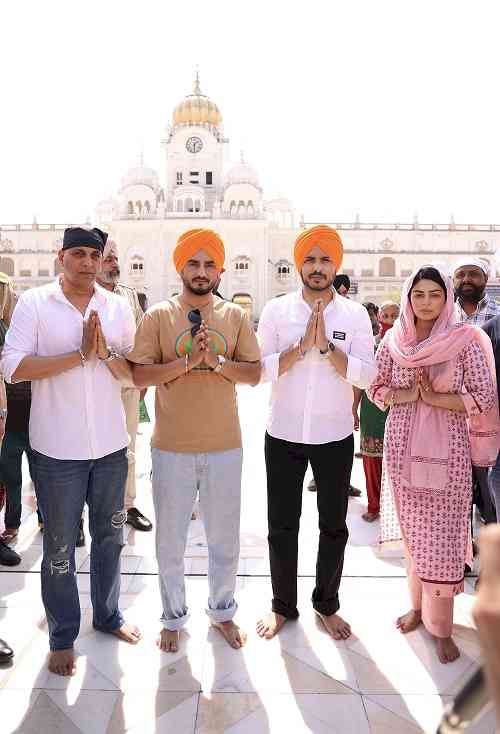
x: 419, y: 378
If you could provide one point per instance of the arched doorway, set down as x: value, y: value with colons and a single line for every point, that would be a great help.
x: 245, y: 301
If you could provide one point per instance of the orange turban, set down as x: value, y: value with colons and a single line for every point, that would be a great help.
x: 323, y: 236
x: 190, y: 242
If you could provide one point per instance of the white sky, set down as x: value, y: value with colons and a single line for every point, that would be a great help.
x: 386, y: 107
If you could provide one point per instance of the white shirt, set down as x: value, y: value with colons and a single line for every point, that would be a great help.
x: 77, y: 414
x: 311, y: 403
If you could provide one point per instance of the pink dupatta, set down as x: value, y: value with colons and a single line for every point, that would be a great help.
x: 426, y: 463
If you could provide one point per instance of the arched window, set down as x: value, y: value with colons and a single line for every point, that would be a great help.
x: 197, y: 205
x: 241, y: 265
x: 147, y: 206
x: 189, y: 204
x: 136, y: 266
x: 241, y: 208
x: 245, y: 301
x: 387, y: 267
x: 283, y: 271
x: 180, y: 205
x: 138, y: 205
x: 130, y: 207
x: 232, y: 209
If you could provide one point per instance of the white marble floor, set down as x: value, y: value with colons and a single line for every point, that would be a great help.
x: 302, y: 681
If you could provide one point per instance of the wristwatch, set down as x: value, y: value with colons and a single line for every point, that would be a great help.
x: 330, y: 348
x: 3, y: 414
x: 221, y: 361
x: 112, y: 355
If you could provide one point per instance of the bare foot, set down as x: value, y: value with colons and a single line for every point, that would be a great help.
x: 168, y: 640
x: 409, y: 621
x: 233, y: 635
x: 128, y: 633
x: 270, y: 625
x: 337, y: 627
x: 447, y: 650
x: 62, y: 662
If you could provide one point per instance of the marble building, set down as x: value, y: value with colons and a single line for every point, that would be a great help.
x: 199, y: 186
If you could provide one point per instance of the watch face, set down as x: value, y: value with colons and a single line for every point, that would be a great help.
x: 194, y: 145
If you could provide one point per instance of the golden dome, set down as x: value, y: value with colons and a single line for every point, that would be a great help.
x: 196, y: 108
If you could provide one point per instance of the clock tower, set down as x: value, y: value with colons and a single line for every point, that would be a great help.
x: 195, y: 157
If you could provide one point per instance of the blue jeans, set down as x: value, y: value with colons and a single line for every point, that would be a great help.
x: 494, y: 480
x: 177, y: 478
x: 62, y: 488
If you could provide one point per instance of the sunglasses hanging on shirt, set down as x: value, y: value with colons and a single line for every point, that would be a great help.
x: 194, y: 317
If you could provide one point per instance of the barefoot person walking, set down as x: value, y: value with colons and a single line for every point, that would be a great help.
x: 437, y: 377
x: 315, y: 345
x: 69, y: 337
x: 195, y: 347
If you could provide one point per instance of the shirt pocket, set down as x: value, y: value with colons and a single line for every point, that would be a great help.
x: 341, y: 338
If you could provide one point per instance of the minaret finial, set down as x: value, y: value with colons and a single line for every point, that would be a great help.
x: 196, y: 86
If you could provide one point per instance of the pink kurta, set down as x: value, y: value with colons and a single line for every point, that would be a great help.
x: 433, y: 523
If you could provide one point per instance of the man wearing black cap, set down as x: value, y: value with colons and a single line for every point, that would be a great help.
x: 69, y: 337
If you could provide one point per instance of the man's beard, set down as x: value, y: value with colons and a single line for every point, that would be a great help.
x: 325, y: 286
x: 111, y: 276
x: 199, y: 289
x: 472, y: 296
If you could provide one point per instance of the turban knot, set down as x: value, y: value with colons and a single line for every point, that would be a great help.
x: 322, y: 236
x: 190, y: 242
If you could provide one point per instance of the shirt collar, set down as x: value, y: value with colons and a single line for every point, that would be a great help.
x: 55, y: 290
x: 299, y: 297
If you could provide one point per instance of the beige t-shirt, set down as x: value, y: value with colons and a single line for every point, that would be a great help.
x: 197, y: 412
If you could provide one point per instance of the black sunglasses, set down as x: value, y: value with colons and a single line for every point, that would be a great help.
x: 195, y: 318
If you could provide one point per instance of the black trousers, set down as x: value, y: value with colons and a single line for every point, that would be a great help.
x: 286, y: 465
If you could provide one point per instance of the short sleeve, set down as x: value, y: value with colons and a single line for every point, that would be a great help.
x: 247, y: 346
x: 147, y: 349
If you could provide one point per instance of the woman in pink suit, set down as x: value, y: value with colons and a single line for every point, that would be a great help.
x: 437, y: 378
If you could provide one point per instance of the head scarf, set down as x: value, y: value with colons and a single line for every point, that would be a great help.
x: 426, y: 464
x: 110, y: 248
x: 322, y: 236
x: 190, y: 242
x: 383, y: 327
x: 476, y: 262
x: 81, y: 237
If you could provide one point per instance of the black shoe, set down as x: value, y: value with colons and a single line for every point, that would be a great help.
x: 6, y: 652
x: 138, y: 520
x: 312, y: 486
x: 354, y: 492
x: 8, y: 557
x: 80, y: 541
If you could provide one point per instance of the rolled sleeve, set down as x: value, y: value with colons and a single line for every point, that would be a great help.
x: 129, y: 329
x: 267, y: 336
x: 361, y: 369
x: 147, y: 348
x: 20, y: 339
x: 270, y: 368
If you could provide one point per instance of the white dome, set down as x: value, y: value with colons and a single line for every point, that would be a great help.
x: 242, y: 173
x: 141, y: 175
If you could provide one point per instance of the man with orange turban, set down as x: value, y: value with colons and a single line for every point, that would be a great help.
x: 195, y: 347
x: 316, y: 345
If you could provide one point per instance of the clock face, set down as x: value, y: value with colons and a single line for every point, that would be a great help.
x: 194, y: 144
